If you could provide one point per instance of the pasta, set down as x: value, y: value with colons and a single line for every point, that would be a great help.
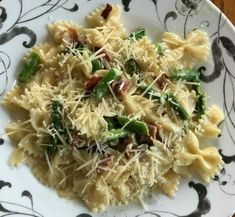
x: 205, y: 162
x: 109, y: 117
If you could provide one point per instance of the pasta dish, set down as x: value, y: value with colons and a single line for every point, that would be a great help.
x: 109, y: 116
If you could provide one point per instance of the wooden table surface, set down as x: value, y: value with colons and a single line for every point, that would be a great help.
x: 228, y: 7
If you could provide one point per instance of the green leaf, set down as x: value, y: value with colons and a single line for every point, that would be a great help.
x: 29, y: 68
x: 132, y: 67
x: 138, y: 34
x: 102, y: 87
x: 178, y: 108
x: 113, y: 122
x: 134, y: 126
x: 190, y: 75
x: 96, y: 65
x: 115, y: 134
x: 200, y: 105
x: 159, y: 48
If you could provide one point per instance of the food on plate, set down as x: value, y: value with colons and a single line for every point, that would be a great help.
x: 109, y: 116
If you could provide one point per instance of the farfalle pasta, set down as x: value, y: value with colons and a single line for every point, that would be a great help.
x: 109, y: 116
x: 189, y: 158
x: 195, y: 45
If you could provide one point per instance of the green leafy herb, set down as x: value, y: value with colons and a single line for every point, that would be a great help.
x: 96, y: 65
x: 166, y: 98
x: 138, y: 34
x: 121, y: 127
x: 159, y: 48
x: 84, y: 49
x: 113, y: 122
x: 132, y: 67
x: 102, y: 87
x: 29, y: 68
x: 179, y: 109
x: 52, y: 145
x: 134, y: 126
x: 115, y: 134
x: 190, y: 75
x: 56, y: 125
x: 79, y: 47
x: 56, y: 115
x: 197, y: 89
x: 154, y: 95
x: 200, y: 105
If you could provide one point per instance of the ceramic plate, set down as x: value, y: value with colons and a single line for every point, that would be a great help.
x: 23, y: 24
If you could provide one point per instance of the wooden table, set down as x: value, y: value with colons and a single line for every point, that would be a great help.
x: 228, y: 7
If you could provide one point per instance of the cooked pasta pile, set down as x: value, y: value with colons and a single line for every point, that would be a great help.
x: 110, y: 117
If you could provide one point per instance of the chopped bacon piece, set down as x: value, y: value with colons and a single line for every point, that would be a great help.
x: 73, y: 35
x: 92, y: 82
x: 152, y: 131
x: 127, y: 141
x: 131, y: 150
x: 148, y: 139
x: 105, y: 13
x: 81, y: 39
x: 75, y: 140
x: 157, y: 135
x: 161, y: 82
x: 120, y: 87
x: 106, y: 56
x: 104, y: 163
x: 70, y: 35
x: 123, y: 142
x: 144, y: 139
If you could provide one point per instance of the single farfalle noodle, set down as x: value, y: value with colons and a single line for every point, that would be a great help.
x: 95, y: 19
x: 62, y: 32
x: 169, y: 183
x: 145, y: 54
x: 208, y: 126
x: 189, y: 158
x: 195, y: 45
x: 49, y: 54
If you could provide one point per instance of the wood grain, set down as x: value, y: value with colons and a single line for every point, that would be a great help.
x: 228, y: 7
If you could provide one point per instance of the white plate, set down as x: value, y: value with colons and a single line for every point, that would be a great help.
x: 23, y: 23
